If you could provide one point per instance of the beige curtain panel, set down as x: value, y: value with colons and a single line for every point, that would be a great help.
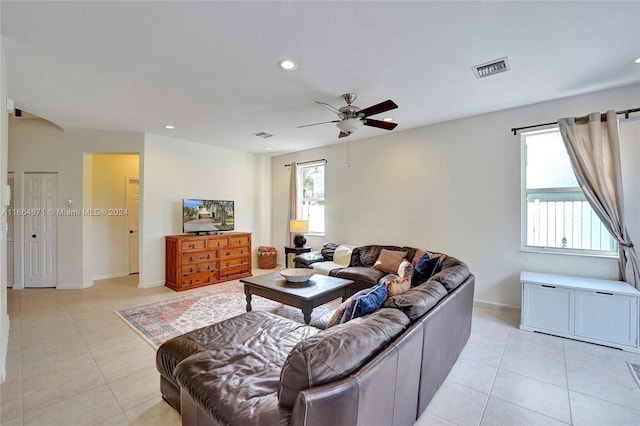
x: 593, y: 146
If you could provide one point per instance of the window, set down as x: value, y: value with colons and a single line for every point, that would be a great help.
x: 556, y: 216
x: 311, y: 196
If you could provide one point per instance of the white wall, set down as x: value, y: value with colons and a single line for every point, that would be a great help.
x: 455, y: 187
x: 174, y: 169
x: 4, y: 317
x: 110, y: 234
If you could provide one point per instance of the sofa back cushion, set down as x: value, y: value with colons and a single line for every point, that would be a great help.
x: 367, y: 255
x: 418, y: 300
x: 337, y: 352
x: 453, y: 273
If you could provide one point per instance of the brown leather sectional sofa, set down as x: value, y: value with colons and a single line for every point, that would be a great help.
x: 380, y: 369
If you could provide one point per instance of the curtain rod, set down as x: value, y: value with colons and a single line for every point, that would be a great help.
x: 626, y: 113
x: 322, y: 160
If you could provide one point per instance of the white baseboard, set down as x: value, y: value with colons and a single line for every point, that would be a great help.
x: 108, y: 276
x: 4, y: 346
x: 78, y: 286
x: 494, y: 304
x: 151, y: 284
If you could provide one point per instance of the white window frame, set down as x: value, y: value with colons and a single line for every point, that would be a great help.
x: 524, y: 209
x: 301, y: 199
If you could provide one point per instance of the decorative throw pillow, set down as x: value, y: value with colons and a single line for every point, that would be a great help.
x: 397, y: 286
x: 389, y: 260
x: 418, y: 256
x: 342, y: 256
x: 365, y: 302
x: 425, y: 269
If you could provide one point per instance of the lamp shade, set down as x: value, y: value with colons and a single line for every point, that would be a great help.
x: 299, y: 226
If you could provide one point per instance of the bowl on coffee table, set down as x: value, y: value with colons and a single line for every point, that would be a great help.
x: 297, y: 275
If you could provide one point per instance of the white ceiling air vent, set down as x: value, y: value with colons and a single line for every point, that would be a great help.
x: 491, y: 68
x: 263, y: 135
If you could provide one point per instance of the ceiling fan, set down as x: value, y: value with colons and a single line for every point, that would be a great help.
x: 353, y: 118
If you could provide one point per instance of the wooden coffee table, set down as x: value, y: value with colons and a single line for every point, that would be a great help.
x: 319, y: 290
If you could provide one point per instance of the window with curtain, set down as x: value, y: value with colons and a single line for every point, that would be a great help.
x: 556, y: 216
x: 311, y: 195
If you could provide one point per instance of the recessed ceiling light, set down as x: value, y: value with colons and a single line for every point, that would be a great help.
x: 287, y: 64
x: 637, y: 61
x: 169, y: 126
x: 268, y: 148
x: 387, y: 119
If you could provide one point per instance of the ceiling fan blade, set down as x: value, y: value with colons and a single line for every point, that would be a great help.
x: 378, y: 108
x: 343, y: 134
x: 315, y: 124
x: 329, y: 107
x: 381, y: 124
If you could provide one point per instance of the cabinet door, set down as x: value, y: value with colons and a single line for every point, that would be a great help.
x: 547, y: 308
x: 607, y: 317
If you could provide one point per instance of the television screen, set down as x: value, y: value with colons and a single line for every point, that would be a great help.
x: 207, y: 216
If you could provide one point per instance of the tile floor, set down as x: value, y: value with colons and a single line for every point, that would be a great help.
x: 72, y: 361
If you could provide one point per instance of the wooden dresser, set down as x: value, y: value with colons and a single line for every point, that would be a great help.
x: 195, y: 261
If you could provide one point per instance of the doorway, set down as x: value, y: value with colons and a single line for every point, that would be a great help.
x: 112, y: 185
x: 133, y: 222
x: 40, y: 224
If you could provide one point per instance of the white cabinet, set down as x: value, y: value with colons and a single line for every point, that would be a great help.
x: 597, y: 311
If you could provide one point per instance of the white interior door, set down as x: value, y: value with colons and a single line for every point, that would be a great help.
x: 40, y: 247
x: 10, y: 233
x: 133, y: 219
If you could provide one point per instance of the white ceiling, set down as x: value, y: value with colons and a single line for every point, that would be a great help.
x: 209, y: 68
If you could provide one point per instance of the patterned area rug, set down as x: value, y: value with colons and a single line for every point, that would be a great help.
x: 160, y: 321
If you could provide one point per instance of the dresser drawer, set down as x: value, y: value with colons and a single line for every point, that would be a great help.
x: 198, y: 256
x: 217, y: 242
x: 232, y: 252
x: 240, y: 240
x: 194, y: 280
x: 190, y: 245
x: 233, y: 261
x: 193, y: 268
x: 235, y: 272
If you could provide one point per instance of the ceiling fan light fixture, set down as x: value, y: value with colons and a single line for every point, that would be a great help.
x: 387, y: 119
x: 349, y: 125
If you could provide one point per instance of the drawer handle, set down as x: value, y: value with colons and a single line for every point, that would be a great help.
x: 191, y: 269
x: 228, y: 253
x: 548, y: 286
x: 602, y: 292
x: 190, y: 258
x: 209, y: 256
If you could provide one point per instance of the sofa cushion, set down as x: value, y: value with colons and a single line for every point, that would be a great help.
x: 257, y: 330
x: 328, y: 249
x: 342, y: 256
x: 453, y: 273
x: 425, y: 269
x: 365, y: 302
x: 233, y: 385
x: 367, y: 255
x: 418, y: 300
x: 389, y: 260
x: 325, y: 268
x: 361, y: 274
x: 337, y: 352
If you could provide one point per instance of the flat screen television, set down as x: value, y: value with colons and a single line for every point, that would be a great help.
x: 207, y: 216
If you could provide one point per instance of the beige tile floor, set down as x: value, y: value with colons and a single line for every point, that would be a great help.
x: 72, y: 361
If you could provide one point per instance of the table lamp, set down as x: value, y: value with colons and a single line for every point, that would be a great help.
x: 299, y: 227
